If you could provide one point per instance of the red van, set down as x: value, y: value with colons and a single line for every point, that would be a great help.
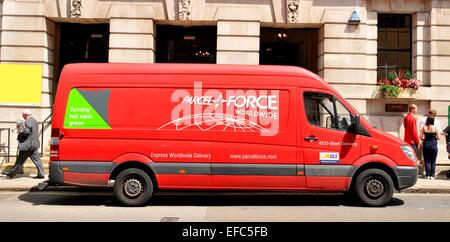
x: 140, y: 128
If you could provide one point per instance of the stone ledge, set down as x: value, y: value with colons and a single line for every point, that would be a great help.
x: 238, y: 13
x: 131, y: 11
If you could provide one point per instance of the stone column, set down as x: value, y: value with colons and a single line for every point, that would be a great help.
x: 28, y: 38
x: 421, y: 47
x: 439, y: 42
x: 238, y: 31
x: 132, y: 34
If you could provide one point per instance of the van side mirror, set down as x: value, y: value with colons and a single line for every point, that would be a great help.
x: 357, y: 121
x: 357, y: 128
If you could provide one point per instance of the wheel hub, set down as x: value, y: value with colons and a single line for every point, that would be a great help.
x: 133, y: 187
x: 374, y: 187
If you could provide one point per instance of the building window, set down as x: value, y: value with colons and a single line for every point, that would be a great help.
x: 83, y: 43
x: 394, y: 43
x: 294, y: 47
x: 177, y: 44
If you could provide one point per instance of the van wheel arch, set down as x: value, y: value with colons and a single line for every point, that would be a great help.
x: 374, y: 165
x: 134, y: 164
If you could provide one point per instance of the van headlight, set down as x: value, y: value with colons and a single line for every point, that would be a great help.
x: 409, y: 152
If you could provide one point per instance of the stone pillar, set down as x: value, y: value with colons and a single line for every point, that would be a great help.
x: 421, y: 47
x: 347, y: 53
x: 238, y: 42
x: 439, y: 42
x: 28, y: 38
x: 132, y: 34
x: 238, y: 31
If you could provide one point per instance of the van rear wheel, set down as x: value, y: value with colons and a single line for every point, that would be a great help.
x: 133, y: 187
x: 374, y: 187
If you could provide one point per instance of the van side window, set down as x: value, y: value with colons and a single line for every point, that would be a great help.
x: 327, y: 112
x: 344, y: 117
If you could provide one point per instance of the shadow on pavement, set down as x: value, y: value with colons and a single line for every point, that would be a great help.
x: 199, y: 199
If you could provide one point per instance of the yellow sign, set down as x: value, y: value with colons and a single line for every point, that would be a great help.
x: 20, y: 83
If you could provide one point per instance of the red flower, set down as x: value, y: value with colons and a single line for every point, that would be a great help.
x: 397, y: 82
x: 405, y: 83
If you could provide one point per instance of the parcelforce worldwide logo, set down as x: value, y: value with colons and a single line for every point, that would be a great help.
x: 229, y: 110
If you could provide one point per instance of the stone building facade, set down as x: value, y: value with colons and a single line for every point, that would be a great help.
x: 345, y: 53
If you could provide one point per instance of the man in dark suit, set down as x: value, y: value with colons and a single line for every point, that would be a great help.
x: 28, y: 139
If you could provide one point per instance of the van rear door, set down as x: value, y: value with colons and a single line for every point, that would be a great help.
x: 330, y: 148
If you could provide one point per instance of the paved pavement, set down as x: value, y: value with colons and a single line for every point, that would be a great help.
x: 20, y: 183
x: 27, y: 183
x: 77, y: 206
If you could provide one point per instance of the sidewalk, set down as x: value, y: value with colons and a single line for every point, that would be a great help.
x: 26, y: 183
x: 20, y: 183
x: 430, y: 186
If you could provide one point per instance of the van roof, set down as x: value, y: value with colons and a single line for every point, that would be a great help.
x: 203, y: 69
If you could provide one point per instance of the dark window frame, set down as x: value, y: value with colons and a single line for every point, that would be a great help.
x: 386, y: 68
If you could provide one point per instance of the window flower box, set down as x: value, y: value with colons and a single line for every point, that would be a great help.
x: 404, y: 93
x: 399, y: 84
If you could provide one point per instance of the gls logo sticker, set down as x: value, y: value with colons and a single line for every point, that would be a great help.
x: 329, y: 158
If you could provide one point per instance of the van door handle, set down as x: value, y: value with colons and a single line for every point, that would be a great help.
x: 311, y: 138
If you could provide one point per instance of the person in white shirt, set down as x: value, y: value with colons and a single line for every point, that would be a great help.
x: 432, y: 113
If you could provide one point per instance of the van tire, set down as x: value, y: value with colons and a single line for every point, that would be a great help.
x: 374, y: 187
x: 133, y: 187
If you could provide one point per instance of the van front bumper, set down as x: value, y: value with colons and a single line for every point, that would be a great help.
x: 406, y: 176
x: 56, y: 175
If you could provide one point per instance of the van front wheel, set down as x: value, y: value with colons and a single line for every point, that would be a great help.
x: 374, y: 187
x: 133, y: 187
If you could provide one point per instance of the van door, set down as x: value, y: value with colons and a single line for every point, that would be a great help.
x: 329, y: 145
x: 260, y: 152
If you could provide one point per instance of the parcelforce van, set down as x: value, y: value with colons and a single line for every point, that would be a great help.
x: 147, y: 127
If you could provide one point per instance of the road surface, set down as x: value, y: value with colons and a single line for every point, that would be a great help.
x: 101, y: 206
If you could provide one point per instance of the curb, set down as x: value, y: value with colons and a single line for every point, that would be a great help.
x: 426, y: 190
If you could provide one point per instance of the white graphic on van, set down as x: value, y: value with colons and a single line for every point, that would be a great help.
x: 221, y: 122
x: 237, y: 101
x: 231, y: 110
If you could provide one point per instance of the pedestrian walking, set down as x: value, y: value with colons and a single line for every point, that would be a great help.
x: 430, y: 136
x: 409, y: 122
x: 28, y: 145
